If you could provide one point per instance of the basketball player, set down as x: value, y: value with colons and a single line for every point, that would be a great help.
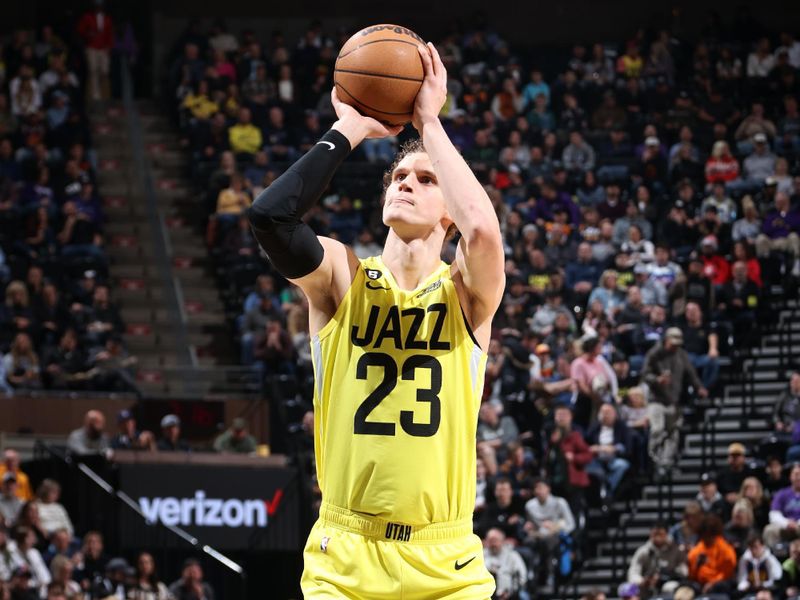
x: 398, y: 345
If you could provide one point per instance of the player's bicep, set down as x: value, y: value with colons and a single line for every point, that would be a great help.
x: 326, y: 285
x: 482, y: 268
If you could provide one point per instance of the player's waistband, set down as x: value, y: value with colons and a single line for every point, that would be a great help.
x: 390, y: 530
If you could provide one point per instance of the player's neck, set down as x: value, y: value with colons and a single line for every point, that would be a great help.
x: 411, y: 261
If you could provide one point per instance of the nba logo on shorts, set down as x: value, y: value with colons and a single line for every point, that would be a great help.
x: 323, y: 545
x: 373, y: 274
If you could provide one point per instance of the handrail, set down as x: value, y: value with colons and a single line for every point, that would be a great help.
x: 109, y: 490
x: 160, y: 244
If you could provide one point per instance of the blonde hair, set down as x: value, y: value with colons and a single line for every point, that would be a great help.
x: 719, y: 148
x: 743, y: 506
x: 759, y: 500
x: 14, y: 287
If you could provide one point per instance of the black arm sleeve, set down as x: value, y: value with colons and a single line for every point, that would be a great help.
x: 276, y: 214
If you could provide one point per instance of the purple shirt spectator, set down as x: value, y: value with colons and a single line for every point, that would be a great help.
x: 787, y: 501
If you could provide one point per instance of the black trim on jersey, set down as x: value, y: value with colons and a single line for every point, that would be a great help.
x: 469, y: 329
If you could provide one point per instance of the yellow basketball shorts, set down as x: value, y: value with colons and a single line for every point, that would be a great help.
x: 364, y: 558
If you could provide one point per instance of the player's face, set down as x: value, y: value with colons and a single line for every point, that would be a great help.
x: 413, y: 199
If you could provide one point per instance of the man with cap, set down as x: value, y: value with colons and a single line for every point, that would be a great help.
x: 760, y: 164
x: 20, y: 584
x: 236, y: 439
x: 10, y: 504
x: 112, y: 585
x: 709, y: 498
x: 666, y: 367
x: 731, y: 477
x: 191, y: 585
x: 129, y: 437
x: 171, y: 440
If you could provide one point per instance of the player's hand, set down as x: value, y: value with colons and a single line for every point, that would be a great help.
x: 433, y: 93
x: 357, y: 127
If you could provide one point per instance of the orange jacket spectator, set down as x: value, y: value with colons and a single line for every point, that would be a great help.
x: 718, y: 565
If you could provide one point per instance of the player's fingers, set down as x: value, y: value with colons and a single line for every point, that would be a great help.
x: 334, y: 96
x: 438, y: 65
x: 427, y: 63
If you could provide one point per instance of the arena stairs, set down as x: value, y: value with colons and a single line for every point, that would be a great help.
x: 137, y: 287
x: 741, y: 412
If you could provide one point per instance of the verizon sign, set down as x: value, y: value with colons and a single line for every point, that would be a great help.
x: 228, y: 507
x: 202, y: 511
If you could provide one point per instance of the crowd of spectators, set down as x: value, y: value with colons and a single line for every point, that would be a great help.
x: 648, y: 195
x: 59, y: 329
x: 42, y: 556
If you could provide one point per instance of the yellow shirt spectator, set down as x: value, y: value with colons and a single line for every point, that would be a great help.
x: 24, y: 491
x: 245, y: 138
x: 233, y: 200
x: 200, y: 105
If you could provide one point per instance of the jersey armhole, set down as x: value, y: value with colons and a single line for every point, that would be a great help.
x: 467, y: 326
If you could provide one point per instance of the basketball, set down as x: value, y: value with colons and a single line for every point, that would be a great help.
x: 379, y: 72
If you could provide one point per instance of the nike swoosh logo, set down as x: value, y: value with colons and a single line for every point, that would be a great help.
x: 376, y: 287
x: 462, y: 565
x: 331, y: 144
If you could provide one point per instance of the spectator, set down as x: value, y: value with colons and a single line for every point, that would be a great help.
x: 741, y: 526
x: 790, y: 579
x: 666, y: 366
x: 610, y: 442
x: 236, y: 439
x: 712, y: 562
x: 96, y: 28
x: 721, y: 167
x: 507, y: 567
x: 274, y: 348
x: 548, y: 517
x: 171, y: 440
x: 495, y: 432
x: 191, y: 585
x: 53, y: 515
x: 147, y: 585
x: 760, y: 164
x: 245, y: 139
x: 731, y: 478
x: 91, y: 560
x: 25, y: 540
x: 659, y: 565
x: 567, y: 458
x: 91, y: 438
x: 780, y: 231
x: 61, y: 569
x: 22, y: 584
x: 596, y: 380
x: 785, y: 512
x: 10, y: 464
x: 758, y: 568
x: 709, y: 498
x: 129, y: 437
x: 701, y: 343
x: 10, y: 504
x: 578, y: 156
x: 21, y: 364
x: 504, y: 511
x: 752, y: 491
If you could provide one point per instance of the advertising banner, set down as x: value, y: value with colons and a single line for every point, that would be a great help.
x: 225, y: 506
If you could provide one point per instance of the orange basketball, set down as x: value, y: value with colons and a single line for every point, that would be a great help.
x: 379, y: 72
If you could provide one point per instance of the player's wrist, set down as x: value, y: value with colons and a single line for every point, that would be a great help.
x: 429, y: 123
x: 352, y: 128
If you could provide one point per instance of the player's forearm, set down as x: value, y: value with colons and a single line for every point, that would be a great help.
x: 276, y: 214
x: 465, y: 198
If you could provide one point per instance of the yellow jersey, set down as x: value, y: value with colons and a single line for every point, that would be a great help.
x: 398, y: 382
